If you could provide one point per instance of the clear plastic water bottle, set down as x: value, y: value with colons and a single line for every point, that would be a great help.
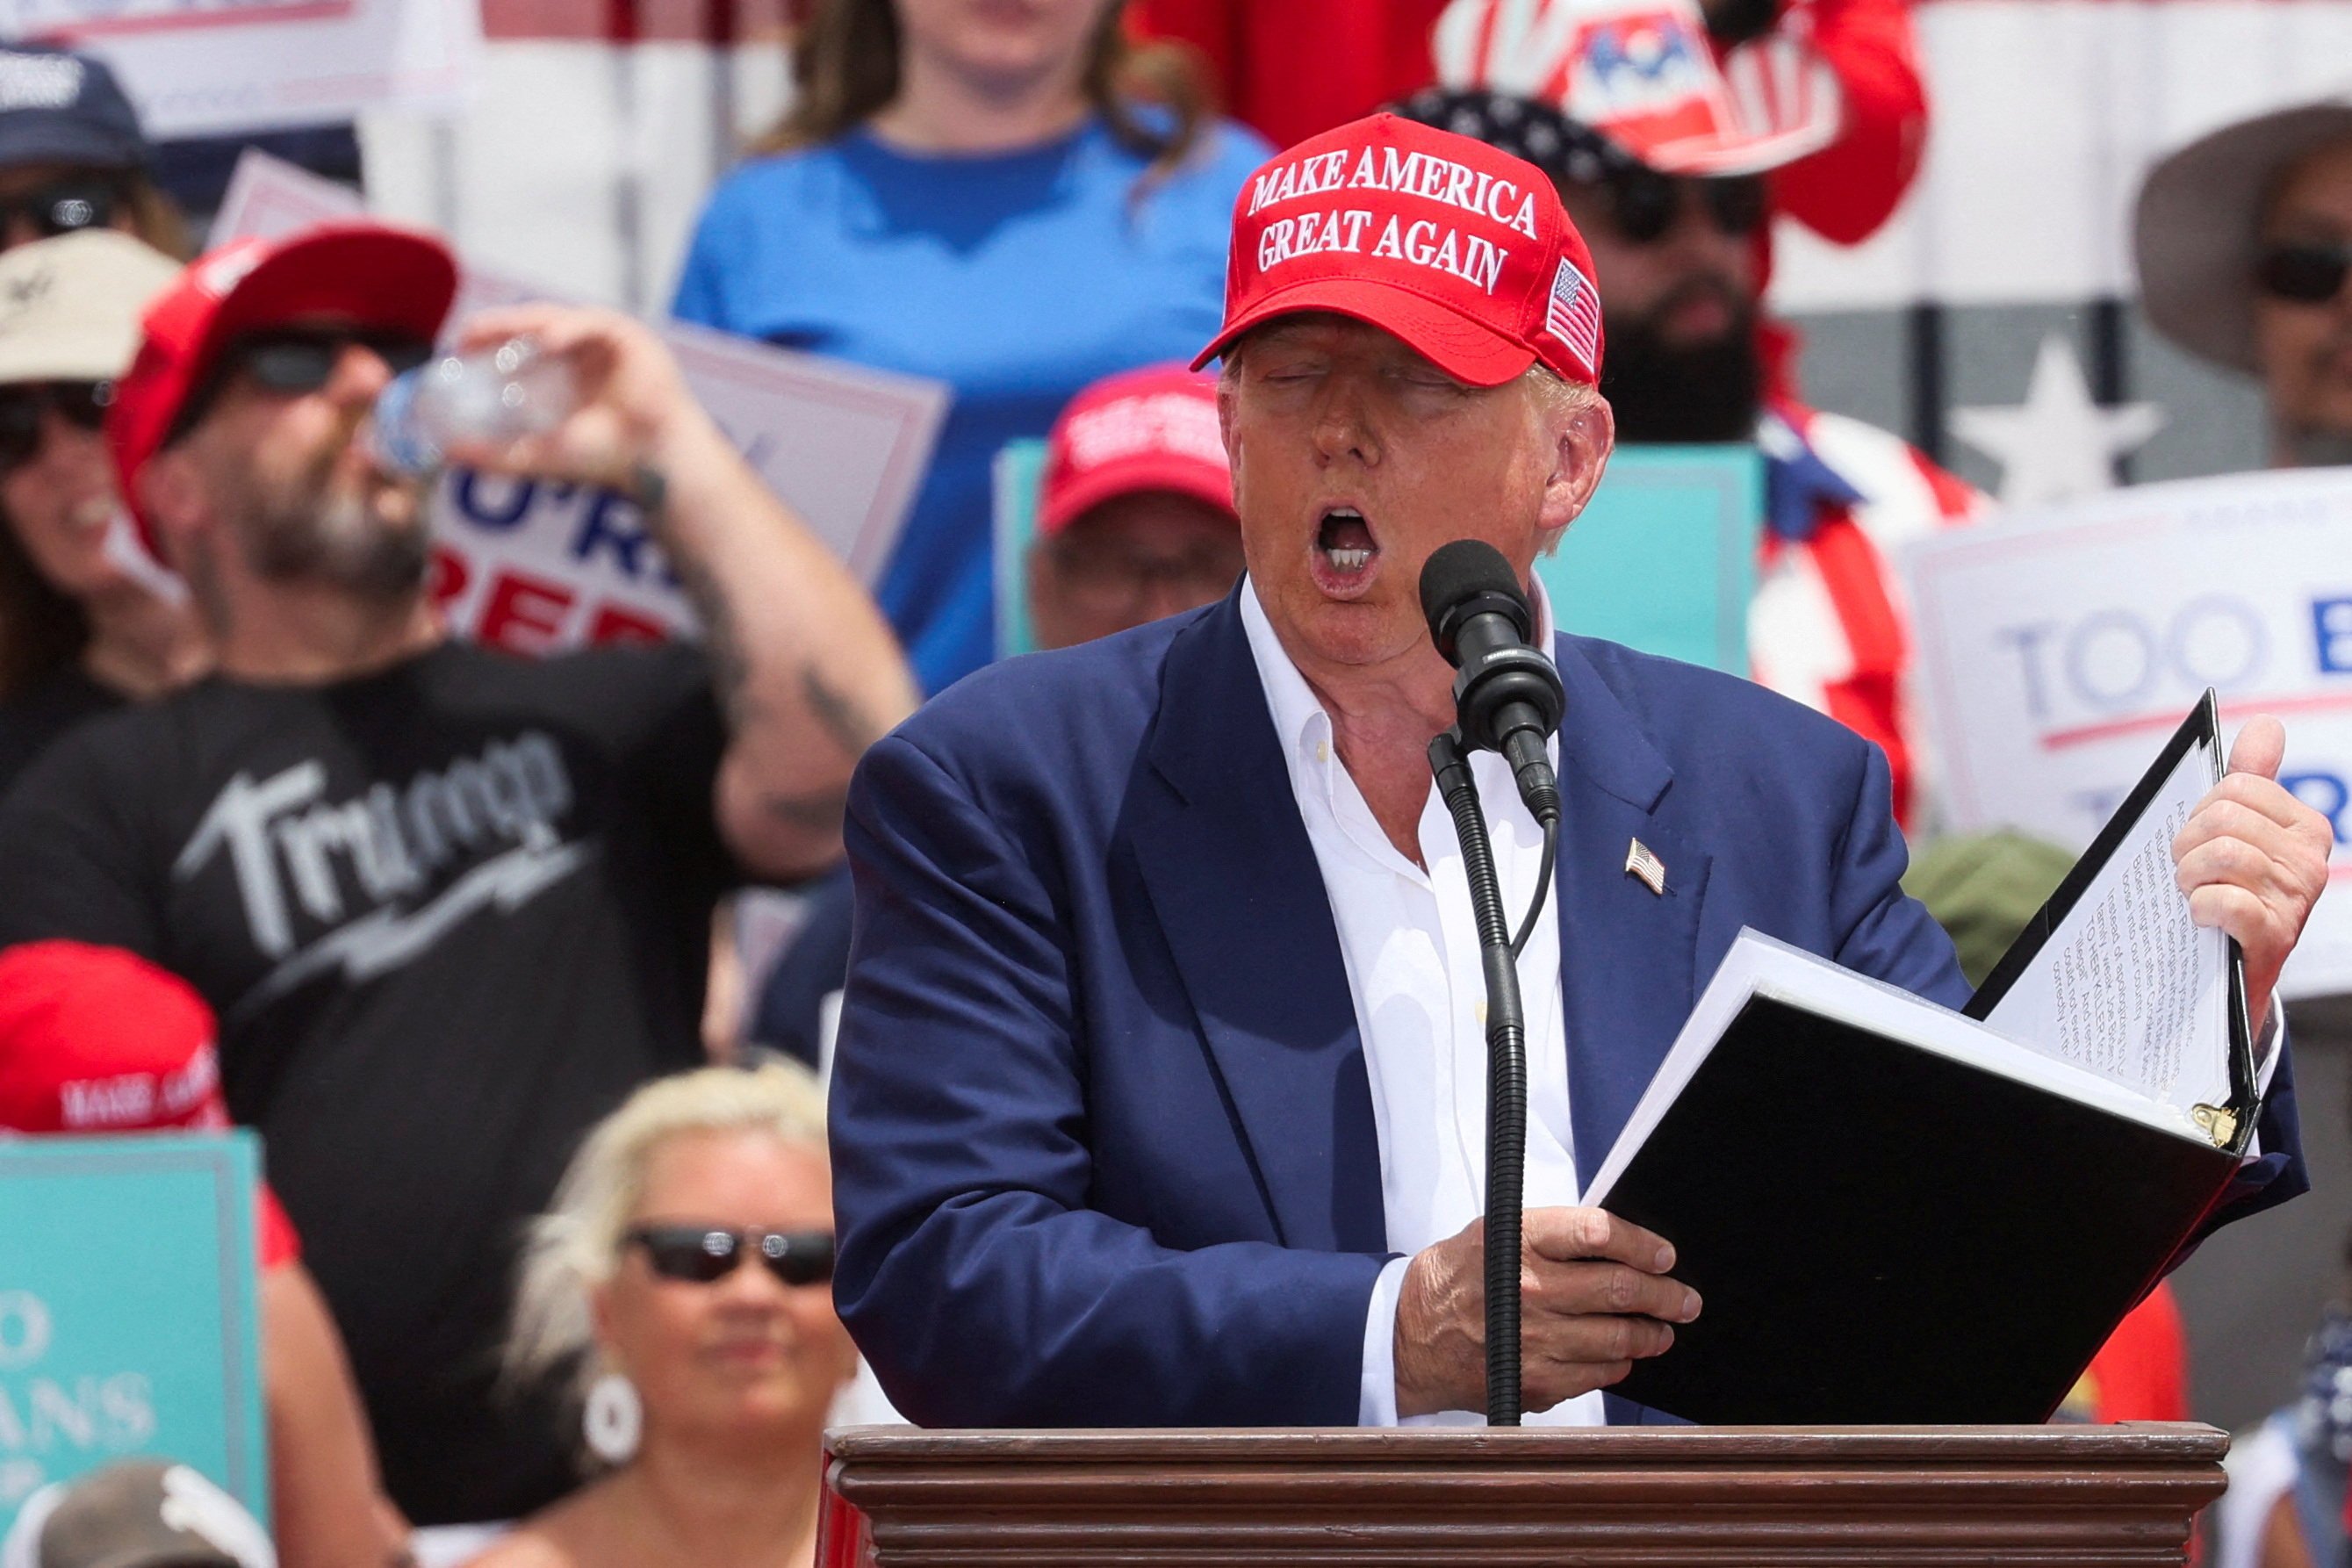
x: 490, y: 397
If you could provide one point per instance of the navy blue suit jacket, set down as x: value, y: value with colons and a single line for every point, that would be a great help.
x: 1103, y: 1140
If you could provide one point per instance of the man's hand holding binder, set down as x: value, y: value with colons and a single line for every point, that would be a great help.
x: 2253, y: 860
x: 1595, y: 1294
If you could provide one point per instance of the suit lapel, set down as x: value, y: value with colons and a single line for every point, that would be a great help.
x: 1232, y: 879
x: 1239, y: 895
x: 1627, y: 955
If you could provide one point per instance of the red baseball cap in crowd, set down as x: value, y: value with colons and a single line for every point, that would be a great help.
x: 1462, y: 250
x: 366, y: 275
x: 1148, y: 430
x: 97, y: 1040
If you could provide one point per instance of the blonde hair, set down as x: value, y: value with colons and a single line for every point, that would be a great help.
x: 845, y: 71
x: 576, y: 1245
x: 1556, y: 392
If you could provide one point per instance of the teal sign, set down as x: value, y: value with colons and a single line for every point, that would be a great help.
x: 1662, y: 560
x: 128, y: 1309
x: 1020, y: 468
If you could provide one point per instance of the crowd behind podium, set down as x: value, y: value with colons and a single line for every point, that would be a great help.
x: 544, y: 1283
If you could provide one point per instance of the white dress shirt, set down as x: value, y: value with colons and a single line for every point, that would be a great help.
x: 1410, y: 946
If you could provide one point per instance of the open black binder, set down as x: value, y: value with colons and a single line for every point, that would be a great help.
x: 1894, y: 1213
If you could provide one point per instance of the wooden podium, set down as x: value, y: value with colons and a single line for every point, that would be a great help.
x: 1720, y: 1496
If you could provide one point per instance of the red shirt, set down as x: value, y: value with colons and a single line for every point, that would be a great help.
x: 1290, y: 69
x: 2141, y: 1373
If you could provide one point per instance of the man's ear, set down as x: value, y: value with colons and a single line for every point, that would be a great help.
x: 1226, y: 386
x: 1582, y: 438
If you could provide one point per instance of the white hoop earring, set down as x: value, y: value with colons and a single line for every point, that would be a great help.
x: 614, y: 1418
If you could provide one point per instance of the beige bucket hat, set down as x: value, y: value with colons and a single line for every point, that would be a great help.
x: 2193, y: 230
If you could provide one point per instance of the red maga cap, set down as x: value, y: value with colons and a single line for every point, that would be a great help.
x: 361, y: 274
x: 1463, y: 251
x: 1148, y: 430
x: 96, y: 1039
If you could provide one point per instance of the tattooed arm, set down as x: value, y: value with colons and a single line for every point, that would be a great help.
x: 808, y: 673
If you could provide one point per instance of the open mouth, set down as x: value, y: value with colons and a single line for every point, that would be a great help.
x: 1345, y: 549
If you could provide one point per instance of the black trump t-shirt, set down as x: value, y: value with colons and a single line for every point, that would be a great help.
x: 449, y: 915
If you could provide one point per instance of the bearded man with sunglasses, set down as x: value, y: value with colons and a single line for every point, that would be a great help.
x: 449, y: 906
x: 2244, y: 245
x: 1692, y: 358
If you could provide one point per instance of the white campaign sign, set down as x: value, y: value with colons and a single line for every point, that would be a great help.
x: 2059, y: 648
x: 199, y: 67
x: 537, y: 567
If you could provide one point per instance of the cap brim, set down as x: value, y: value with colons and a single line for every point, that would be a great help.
x: 65, y: 356
x: 1731, y: 155
x: 62, y: 140
x: 1464, y: 348
x: 1177, y: 476
x: 2193, y: 228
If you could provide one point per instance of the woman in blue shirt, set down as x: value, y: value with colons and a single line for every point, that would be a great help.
x: 1003, y: 194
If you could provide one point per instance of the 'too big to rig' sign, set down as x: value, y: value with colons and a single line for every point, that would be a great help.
x: 2058, y: 648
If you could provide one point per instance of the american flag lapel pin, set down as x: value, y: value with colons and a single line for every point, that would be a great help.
x: 1640, y: 862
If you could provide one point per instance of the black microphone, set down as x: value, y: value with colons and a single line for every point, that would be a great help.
x: 1507, y: 698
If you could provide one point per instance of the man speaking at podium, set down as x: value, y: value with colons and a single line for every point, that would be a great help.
x: 1161, y: 1092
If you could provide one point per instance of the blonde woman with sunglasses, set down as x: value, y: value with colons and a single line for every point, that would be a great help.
x: 682, y: 1284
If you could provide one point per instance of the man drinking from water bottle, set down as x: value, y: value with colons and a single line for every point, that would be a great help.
x: 448, y: 905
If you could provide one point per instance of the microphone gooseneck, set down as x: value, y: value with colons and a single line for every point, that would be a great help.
x: 1506, y: 1080
x: 1507, y: 699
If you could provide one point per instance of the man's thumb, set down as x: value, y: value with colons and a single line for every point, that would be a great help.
x: 2260, y: 747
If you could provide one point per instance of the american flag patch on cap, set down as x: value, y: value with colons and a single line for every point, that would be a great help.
x: 1574, y: 315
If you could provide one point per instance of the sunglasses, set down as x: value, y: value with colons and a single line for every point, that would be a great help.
x: 706, y: 1256
x: 1644, y: 203
x: 81, y: 404
x: 64, y: 205
x: 297, y: 360
x: 292, y: 360
x: 2307, y: 274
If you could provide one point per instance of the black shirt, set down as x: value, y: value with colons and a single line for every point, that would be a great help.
x: 46, y: 708
x: 449, y: 915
